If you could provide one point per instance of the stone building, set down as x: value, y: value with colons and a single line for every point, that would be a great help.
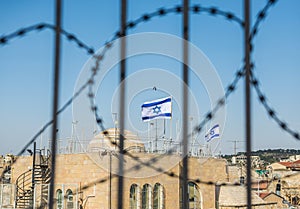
x: 152, y: 180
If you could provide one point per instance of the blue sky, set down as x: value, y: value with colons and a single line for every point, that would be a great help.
x: 26, y: 66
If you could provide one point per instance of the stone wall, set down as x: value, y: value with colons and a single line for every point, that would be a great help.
x: 88, y: 176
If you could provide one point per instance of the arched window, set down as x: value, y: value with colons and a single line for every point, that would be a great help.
x: 194, y: 196
x: 134, y: 197
x: 59, y: 197
x: 69, y: 196
x: 158, y: 196
x: 146, y: 197
x: 295, y: 200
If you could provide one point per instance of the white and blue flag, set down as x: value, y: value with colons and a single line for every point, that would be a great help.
x: 213, y: 133
x: 160, y: 108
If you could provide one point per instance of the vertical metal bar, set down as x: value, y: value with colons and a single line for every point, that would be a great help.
x: 122, y: 100
x: 185, y: 203
x: 55, y: 98
x: 248, y: 99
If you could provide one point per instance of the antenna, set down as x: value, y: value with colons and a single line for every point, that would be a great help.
x: 234, y: 145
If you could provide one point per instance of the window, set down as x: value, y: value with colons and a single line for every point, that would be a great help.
x: 59, y: 197
x: 158, y: 196
x: 146, y: 197
x: 69, y: 196
x: 134, y: 196
x: 194, y: 196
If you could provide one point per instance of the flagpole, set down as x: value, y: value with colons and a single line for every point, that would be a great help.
x: 156, y: 135
x: 149, y: 139
x: 164, y: 136
x: 170, y: 132
x: 164, y: 128
x: 192, y: 137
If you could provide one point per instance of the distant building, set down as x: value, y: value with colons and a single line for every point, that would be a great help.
x: 286, y: 182
x: 242, y: 159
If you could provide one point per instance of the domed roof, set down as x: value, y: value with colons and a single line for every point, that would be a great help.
x: 109, y: 140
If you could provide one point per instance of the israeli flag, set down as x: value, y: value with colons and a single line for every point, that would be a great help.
x: 160, y: 108
x: 213, y: 133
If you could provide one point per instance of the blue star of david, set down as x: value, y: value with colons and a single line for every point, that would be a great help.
x: 156, y: 109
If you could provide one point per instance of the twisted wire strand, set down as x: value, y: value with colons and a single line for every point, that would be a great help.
x: 173, y: 175
x: 221, y: 102
x: 34, y: 138
x: 261, y: 15
x: 4, y: 40
x: 144, y: 18
x: 262, y: 98
x: 72, y: 38
x: 231, y: 88
x: 161, y: 12
x: 270, y: 111
x: 99, y: 58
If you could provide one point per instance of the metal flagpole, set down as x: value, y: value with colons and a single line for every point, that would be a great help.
x: 171, y: 123
x: 155, y: 135
x: 149, y: 139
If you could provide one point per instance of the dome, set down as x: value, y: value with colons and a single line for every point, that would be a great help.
x: 109, y: 140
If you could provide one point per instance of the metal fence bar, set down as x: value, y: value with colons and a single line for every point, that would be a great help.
x: 248, y: 99
x: 185, y: 203
x: 122, y: 100
x: 55, y: 97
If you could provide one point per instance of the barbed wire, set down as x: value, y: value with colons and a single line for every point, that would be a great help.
x: 144, y: 18
x: 4, y: 39
x: 208, y: 117
x: 72, y: 38
x: 221, y: 102
x: 270, y: 111
x: 170, y: 174
x: 173, y: 175
x: 261, y: 15
x: 231, y: 88
x: 161, y: 12
x: 41, y: 131
x: 196, y: 9
x: 262, y: 98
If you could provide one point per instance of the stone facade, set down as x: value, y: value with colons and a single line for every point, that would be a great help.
x: 88, y: 177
